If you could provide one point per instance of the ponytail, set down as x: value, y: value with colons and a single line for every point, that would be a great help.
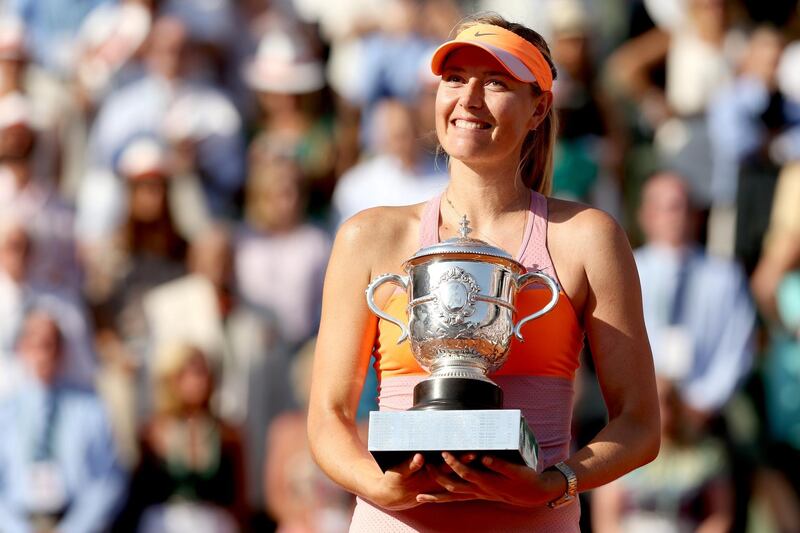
x: 536, y: 158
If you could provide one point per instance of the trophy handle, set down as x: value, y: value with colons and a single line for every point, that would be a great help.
x: 527, y: 279
x: 377, y: 282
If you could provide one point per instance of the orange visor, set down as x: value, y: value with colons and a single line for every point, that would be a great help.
x: 520, y: 58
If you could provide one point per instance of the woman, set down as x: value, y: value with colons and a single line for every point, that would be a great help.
x: 495, y: 121
x: 289, y: 85
x: 190, y: 459
x: 280, y: 255
x: 687, y: 488
x: 299, y: 496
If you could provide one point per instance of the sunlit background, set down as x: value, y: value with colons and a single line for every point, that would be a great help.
x: 172, y: 173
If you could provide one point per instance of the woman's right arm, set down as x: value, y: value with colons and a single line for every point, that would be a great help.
x: 344, y: 345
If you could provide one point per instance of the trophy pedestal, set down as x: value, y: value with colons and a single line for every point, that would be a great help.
x: 504, y: 433
x: 456, y: 393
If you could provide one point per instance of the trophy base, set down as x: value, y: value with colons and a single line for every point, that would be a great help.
x: 504, y: 433
x: 446, y: 394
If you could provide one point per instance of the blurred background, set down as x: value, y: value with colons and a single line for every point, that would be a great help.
x: 172, y: 173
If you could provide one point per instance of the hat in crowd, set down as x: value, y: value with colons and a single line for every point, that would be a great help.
x: 519, y: 57
x: 128, y: 22
x: 142, y: 158
x: 15, y: 110
x: 284, y: 64
x: 12, y: 39
x: 568, y: 18
x: 668, y: 15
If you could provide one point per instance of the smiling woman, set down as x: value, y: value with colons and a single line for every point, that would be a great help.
x: 477, y: 109
x: 494, y: 120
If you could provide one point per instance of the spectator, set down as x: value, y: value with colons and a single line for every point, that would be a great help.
x: 31, y: 198
x: 697, y: 308
x: 687, y: 488
x: 781, y: 250
x: 402, y: 173
x: 204, y: 309
x: 390, y: 59
x: 18, y: 293
x: 288, y: 81
x: 191, y: 472
x: 144, y: 252
x: 58, y: 466
x: 739, y: 121
x: 698, y: 47
x: 53, y: 111
x: 776, y: 286
x: 101, y: 203
x: 170, y: 104
x: 754, y: 128
x: 124, y: 260
x: 280, y: 257
x: 299, y: 496
x: 587, y: 164
x: 392, y: 55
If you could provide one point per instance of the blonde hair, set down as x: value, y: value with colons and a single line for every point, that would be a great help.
x: 171, y: 358
x: 536, y: 157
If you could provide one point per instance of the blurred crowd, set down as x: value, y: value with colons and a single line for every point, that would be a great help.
x: 172, y: 173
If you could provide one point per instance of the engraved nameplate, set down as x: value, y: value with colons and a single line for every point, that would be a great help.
x: 394, y: 436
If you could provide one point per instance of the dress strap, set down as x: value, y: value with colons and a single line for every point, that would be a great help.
x: 534, y: 254
x: 429, y: 224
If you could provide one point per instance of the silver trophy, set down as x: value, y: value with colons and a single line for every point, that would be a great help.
x: 461, y: 309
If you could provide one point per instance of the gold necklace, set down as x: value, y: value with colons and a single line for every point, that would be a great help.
x: 465, y: 228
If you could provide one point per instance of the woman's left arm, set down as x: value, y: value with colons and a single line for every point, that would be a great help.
x: 624, y: 363
x: 616, y: 332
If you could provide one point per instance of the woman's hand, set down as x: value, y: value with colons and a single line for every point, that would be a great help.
x: 499, y: 481
x: 400, y: 486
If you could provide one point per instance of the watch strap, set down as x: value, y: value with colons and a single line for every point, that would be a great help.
x: 572, y: 486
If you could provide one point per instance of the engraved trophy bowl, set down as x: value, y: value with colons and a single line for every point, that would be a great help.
x: 462, y: 295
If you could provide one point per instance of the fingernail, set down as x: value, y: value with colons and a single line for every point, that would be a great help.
x: 487, y: 460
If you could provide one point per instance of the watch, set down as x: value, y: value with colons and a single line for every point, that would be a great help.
x: 572, y: 486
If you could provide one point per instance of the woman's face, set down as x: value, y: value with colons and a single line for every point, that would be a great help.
x: 193, y: 383
x: 273, y: 103
x: 482, y: 113
x: 148, y: 199
x: 278, y: 200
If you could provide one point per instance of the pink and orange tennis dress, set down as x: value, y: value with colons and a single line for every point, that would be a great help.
x: 537, y: 378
